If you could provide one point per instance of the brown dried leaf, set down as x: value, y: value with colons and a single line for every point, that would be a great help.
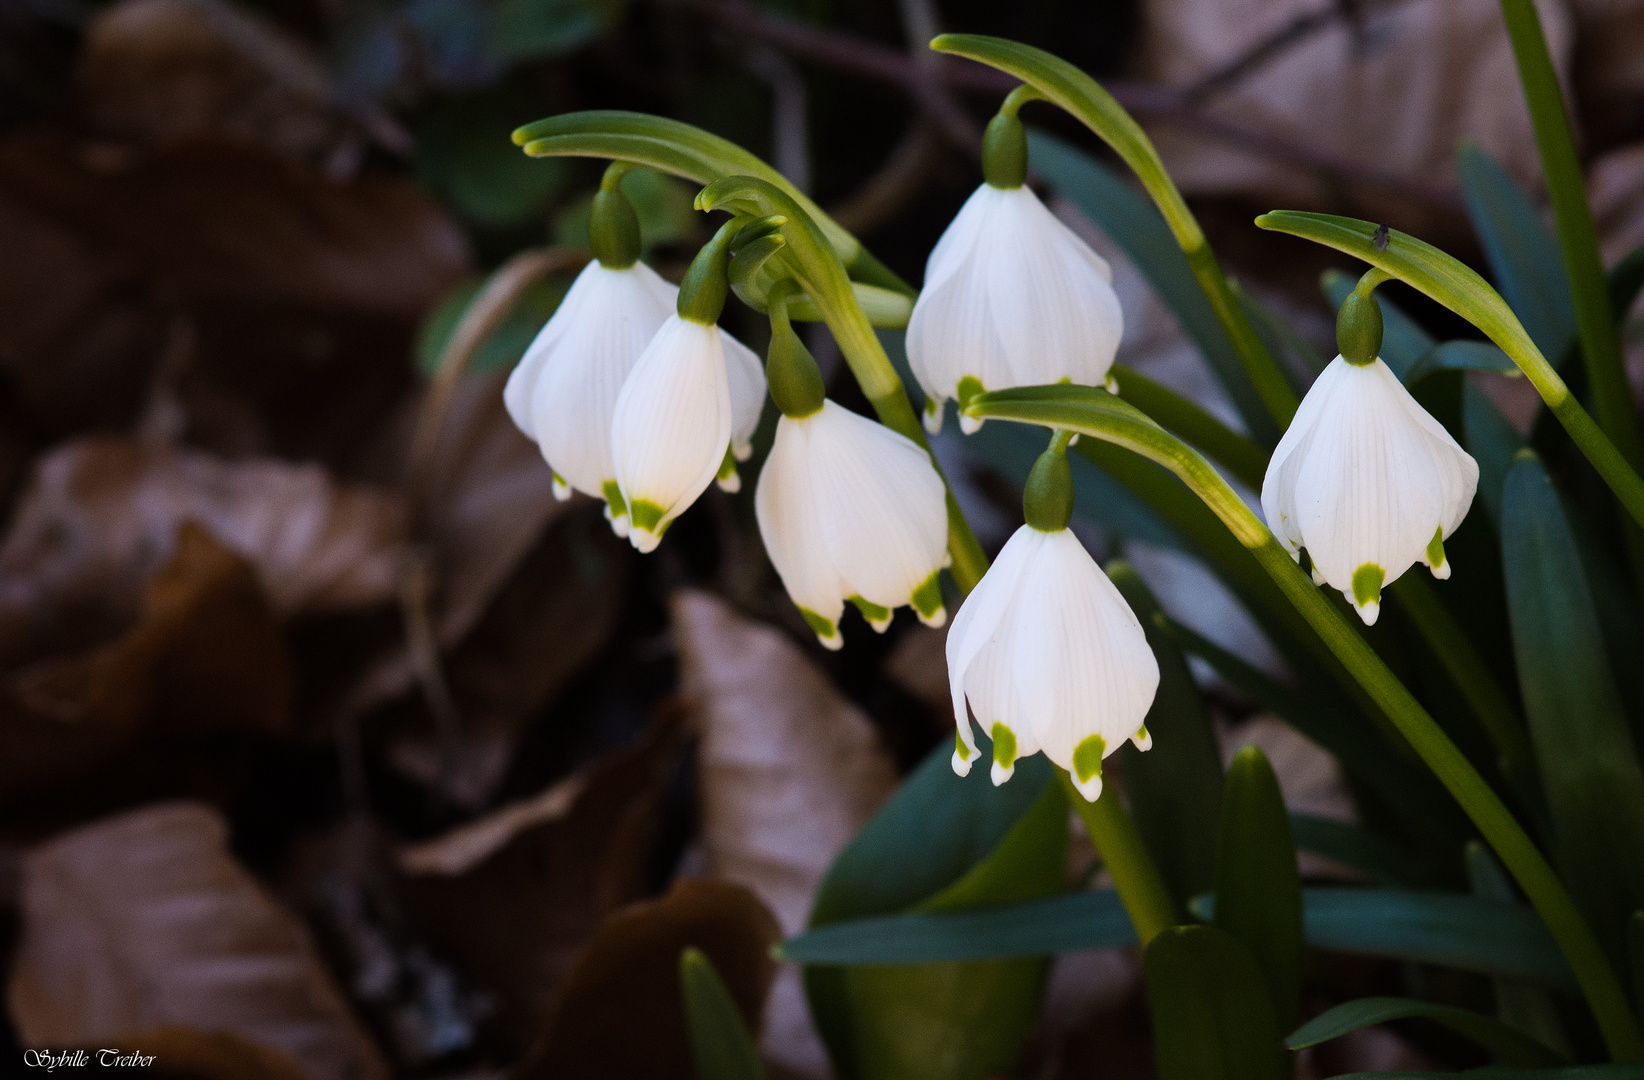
x: 790, y: 770
x: 622, y: 1013
x: 206, y: 656
x: 512, y: 897
x: 157, y: 71
x: 145, y: 921
x: 300, y: 295
x: 1395, y: 86
x: 101, y: 516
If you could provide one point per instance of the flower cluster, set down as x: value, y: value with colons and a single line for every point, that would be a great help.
x: 635, y: 395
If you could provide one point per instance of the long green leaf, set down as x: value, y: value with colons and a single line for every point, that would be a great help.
x: 1461, y: 290
x: 1258, y: 884
x: 1567, y: 190
x: 1508, y: 1045
x: 720, y: 1044
x: 1062, y: 83
x: 1525, y: 1006
x: 1522, y: 252
x: 1185, y: 419
x: 1133, y: 223
x: 1589, y: 764
x: 1448, y: 929
x: 1175, y: 788
x: 1371, y: 854
x: 939, y: 844
x: 1211, y: 1016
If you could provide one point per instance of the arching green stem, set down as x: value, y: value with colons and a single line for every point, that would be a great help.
x: 1060, y: 82
x: 1135, y: 875
x: 813, y: 262
x: 1100, y: 415
x: 1459, y: 288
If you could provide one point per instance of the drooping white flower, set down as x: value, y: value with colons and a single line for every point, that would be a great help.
x: 1050, y: 657
x: 746, y: 376
x: 1012, y: 297
x: 851, y: 510
x: 563, y: 390
x: 671, y: 427
x: 1367, y: 482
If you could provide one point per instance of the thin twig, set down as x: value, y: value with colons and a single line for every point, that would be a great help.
x: 1264, y: 51
x: 871, y: 60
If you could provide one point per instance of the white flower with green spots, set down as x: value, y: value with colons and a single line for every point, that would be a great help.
x: 1367, y: 482
x: 1012, y: 297
x: 851, y: 510
x: 1050, y: 657
x: 563, y: 391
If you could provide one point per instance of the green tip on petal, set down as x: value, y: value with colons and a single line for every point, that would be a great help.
x: 645, y: 515
x: 1142, y: 739
x: 878, y: 617
x: 1367, y: 581
x: 927, y: 601
x: 960, y: 748
x: 1435, y: 555
x: 1004, y: 754
x: 727, y: 478
x: 561, y: 489
x: 613, y: 498
x: 1087, y: 758
x: 968, y: 388
x: 827, y: 632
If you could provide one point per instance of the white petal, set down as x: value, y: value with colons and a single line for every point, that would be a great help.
x: 949, y: 332
x: 581, y: 359
x: 785, y: 507
x: 881, y: 504
x: 1082, y: 663
x: 976, y: 622
x: 1279, y: 483
x: 747, y: 381
x: 671, y: 424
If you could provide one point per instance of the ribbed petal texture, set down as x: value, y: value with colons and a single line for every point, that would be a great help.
x: 747, y: 380
x: 564, y: 390
x: 1012, y: 297
x: 849, y: 508
x: 1365, y: 478
x: 1045, y: 646
x: 670, y: 426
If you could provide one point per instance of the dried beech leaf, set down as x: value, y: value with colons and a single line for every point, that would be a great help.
x: 145, y: 921
x: 157, y: 71
x: 101, y: 516
x: 206, y: 656
x: 1395, y: 87
x: 790, y: 770
x: 621, y: 1012
x: 511, y: 898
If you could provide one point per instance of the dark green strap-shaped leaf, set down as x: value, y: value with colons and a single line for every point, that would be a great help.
x: 940, y: 843
x: 1577, y: 1072
x: 1508, y: 1045
x: 1462, y: 356
x: 1346, y: 737
x: 1080, y: 921
x: 1136, y: 225
x: 1211, y: 1016
x: 1520, y: 1005
x: 1523, y: 253
x: 1175, y: 788
x: 1371, y: 854
x: 1589, y: 765
x: 1258, y: 884
x: 1448, y: 929
x: 721, y: 1047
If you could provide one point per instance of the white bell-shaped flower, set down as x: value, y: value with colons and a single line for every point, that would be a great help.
x: 851, y: 510
x: 564, y: 390
x: 1367, y: 482
x: 671, y: 426
x: 746, y: 376
x: 1012, y: 297
x: 1050, y: 657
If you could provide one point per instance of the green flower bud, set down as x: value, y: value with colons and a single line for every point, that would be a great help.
x: 707, y: 283
x: 795, y: 380
x: 613, y: 227
x: 1047, y: 501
